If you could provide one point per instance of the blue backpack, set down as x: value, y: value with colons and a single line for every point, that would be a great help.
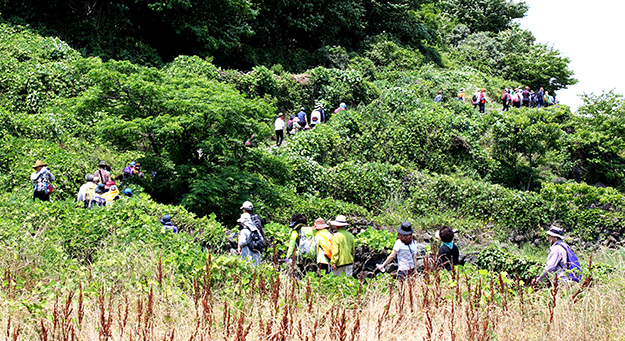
x: 575, y: 269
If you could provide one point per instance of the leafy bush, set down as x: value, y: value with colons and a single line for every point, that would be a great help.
x: 376, y: 239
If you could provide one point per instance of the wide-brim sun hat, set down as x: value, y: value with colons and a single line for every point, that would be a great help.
x: 405, y: 228
x: 102, y: 163
x: 39, y: 163
x: 340, y: 220
x: 555, y: 231
x: 320, y: 224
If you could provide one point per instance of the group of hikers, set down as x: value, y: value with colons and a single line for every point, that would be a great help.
x: 100, y: 188
x: 520, y: 97
x: 301, y: 121
x: 328, y: 247
x: 525, y: 97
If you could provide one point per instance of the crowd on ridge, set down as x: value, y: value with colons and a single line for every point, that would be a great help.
x: 517, y: 98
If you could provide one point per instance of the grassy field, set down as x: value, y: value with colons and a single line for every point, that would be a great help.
x: 268, y: 304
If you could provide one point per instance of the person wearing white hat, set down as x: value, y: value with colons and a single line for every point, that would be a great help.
x: 250, y: 241
x: 247, y: 207
x: 343, y: 248
x: 558, y: 259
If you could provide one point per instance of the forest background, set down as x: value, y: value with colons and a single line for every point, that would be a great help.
x: 180, y: 85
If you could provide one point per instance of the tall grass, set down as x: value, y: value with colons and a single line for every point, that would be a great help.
x: 461, y: 305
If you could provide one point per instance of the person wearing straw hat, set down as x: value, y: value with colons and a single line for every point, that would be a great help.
x: 41, y: 178
x: 560, y: 254
x: 405, y: 249
x: 343, y: 248
x: 323, y: 239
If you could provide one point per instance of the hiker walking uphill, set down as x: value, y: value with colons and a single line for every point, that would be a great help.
x: 481, y: 100
x: 323, y: 239
x: 448, y: 253
x: 439, y: 97
x: 340, y: 108
x: 540, y: 97
x: 405, y: 249
x: 302, y: 119
x: 279, y: 129
x: 505, y: 100
x: 250, y: 243
x: 317, y: 116
x: 130, y: 170
x: 86, y: 191
x: 97, y: 199
x: 292, y: 127
x: 247, y: 207
x: 42, y: 181
x: 168, y: 226
x: 460, y: 96
x: 343, y: 248
x: 303, y: 237
x: 103, y: 174
x: 561, y: 259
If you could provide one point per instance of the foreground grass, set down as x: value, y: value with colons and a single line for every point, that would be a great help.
x: 468, y: 304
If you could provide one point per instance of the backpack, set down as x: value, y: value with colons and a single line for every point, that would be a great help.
x: 315, y: 116
x: 289, y: 126
x: 575, y: 269
x: 526, y: 94
x: 474, y: 98
x: 256, y: 241
x: 259, y: 224
x: 325, y: 243
x: 89, y: 193
x: 307, y: 244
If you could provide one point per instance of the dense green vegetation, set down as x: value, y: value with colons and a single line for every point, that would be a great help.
x: 156, y: 82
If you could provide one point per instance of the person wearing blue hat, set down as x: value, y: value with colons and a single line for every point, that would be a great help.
x: 168, y: 226
x: 128, y: 192
x: 405, y: 249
